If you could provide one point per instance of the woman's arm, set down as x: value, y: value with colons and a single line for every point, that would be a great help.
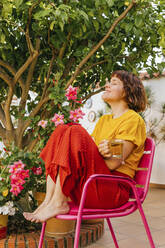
x: 114, y: 163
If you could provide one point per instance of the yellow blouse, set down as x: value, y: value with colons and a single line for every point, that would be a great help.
x: 131, y: 127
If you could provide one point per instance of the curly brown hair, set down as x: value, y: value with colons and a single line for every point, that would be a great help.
x: 134, y: 89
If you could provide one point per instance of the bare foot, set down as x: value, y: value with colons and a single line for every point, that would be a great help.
x: 28, y: 215
x: 46, y: 213
x: 42, y: 205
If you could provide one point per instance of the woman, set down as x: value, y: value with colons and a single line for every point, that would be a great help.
x: 71, y: 155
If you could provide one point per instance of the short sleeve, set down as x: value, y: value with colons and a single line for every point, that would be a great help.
x: 94, y: 134
x: 132, y: 130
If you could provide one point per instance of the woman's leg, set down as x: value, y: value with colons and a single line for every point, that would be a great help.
x: 57, y: 205
x: 50, y: 188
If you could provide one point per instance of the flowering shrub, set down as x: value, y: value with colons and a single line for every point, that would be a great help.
x: 17, y: 176
x: 20, y: 173
x: 66, y: 109
x: 73, y: 102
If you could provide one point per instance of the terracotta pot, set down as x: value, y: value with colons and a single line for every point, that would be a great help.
x: 3, y: 226
x: 93, y: 221
x: 55, y: 227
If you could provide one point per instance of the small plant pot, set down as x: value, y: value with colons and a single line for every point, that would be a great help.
x: 56, y: 227
x: 3, y: 226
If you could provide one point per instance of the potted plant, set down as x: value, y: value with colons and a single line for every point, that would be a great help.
x: 6, y: 203
x: 20, y: 173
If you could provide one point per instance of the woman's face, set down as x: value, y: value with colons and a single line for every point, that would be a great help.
x: 114, y: 90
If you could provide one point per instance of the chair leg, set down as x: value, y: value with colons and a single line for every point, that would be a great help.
x: 77, y: 233
x: 146, y: 226
x: 42, y: 235
x: 112, y: 232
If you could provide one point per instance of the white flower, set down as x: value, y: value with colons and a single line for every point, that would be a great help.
x: 12, y: 211
x: 5, y: 210
x: 10, y: 204
x: 8, y: 209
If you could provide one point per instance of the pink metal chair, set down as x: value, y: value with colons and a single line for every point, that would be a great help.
x: 139, y: 187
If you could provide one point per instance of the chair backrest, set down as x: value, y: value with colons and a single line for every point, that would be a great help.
x: 143, y: 173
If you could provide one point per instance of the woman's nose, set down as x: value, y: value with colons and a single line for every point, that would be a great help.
x: 107, y: 84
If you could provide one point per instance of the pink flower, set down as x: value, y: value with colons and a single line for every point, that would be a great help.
x: 23, y: 174
x: 58, y: 119
x: 80, y: 113
x: 42, y: 123
x: 17, y: 181
x: 37, y: 171
x: 71, y: 93
x: 13, y: 176
x: 76, y: 114
x: 17, y: 166
x: 16, y: 189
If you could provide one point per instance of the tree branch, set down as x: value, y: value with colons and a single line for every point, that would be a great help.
x: 2, y: 132
x: 8, y: 121
x: 95, y: 64
x: 6, y: 78
x: 28, y: 40
x: 62, y: 50
x: 27, y: 122
x: 9, y: 124
x: 25, y: 90
x: 93, y: 93
x: 77, y: 71
x: 48, y: 75
x: 25, y: 66
x: 68, y: 67
x: 2, y: 116
x: 12, y: 71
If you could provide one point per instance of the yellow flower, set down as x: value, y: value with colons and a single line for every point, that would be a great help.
x: 5, y: 192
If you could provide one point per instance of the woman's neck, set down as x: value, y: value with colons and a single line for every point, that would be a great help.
x: 119, y: 109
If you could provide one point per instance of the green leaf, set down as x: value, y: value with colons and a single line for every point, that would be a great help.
x: 97, y: 3
x: 82, y: 13
x: 7, y: 9
x: 110, y: 2
x: 96, y: 25
x: 52, y: 25
x: 139, y: 21
x: 39, y: 15
x: 18, y: 3
x: 128, y: 27
x: 84, y: 28
x: 61, y: 24
x: 2, y: 38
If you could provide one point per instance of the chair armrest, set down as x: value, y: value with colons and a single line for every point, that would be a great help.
x: 127, y: 180
x: 105, y: 177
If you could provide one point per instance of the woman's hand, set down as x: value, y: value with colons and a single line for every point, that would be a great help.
x: 104, y: 149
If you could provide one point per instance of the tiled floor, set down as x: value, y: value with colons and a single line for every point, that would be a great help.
x: 129, y: 230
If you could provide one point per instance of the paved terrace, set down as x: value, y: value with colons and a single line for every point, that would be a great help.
x: 129, y: 229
